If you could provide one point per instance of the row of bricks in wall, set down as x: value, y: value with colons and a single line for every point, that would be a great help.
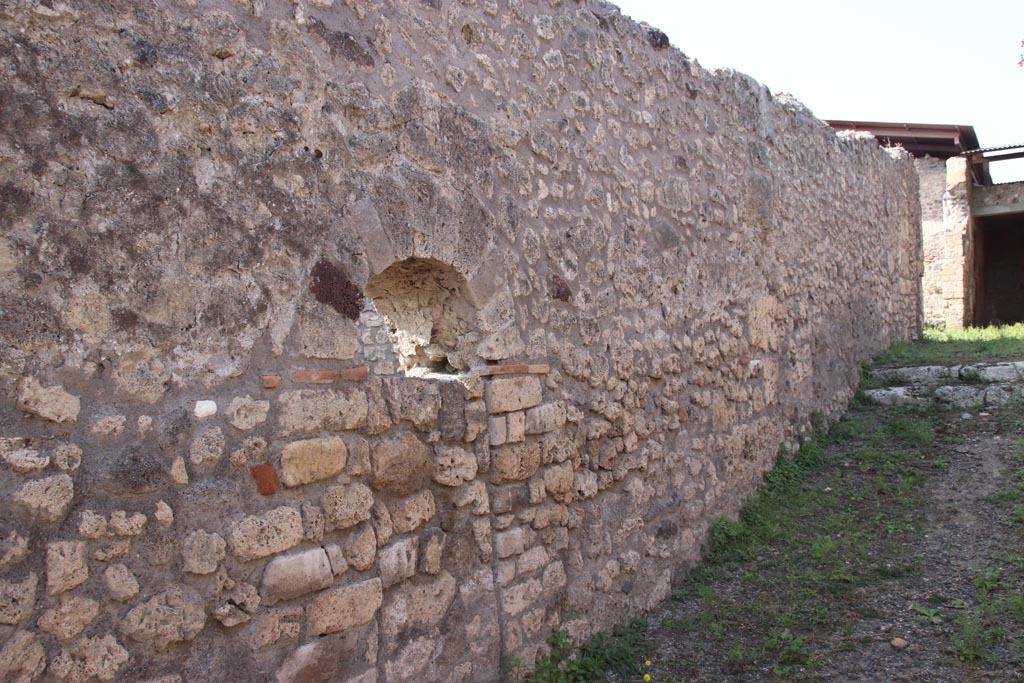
x: 362, y: 372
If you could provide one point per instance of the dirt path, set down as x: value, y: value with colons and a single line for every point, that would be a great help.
x: 897, y: 561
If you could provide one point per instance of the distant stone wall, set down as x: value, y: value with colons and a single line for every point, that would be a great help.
x: 1004, y: 198
x: 614, y: 285
x: 945, y: 226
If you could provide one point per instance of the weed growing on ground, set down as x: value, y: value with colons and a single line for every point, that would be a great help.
x: 948, y: 347
x: 620, y: 652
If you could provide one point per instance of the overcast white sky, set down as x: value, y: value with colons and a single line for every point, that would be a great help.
x: 897, y: 60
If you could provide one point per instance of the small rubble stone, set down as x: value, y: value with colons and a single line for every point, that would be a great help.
x: 361, y: 548
x: 26, y: 461
x: 272, y: 532
x: 410, y: 660
x: 346, y: 506
x: 245, y: 413
x: 899, y: 643
x: 510, y: 542
x: 121, y: 584
x: 13, y: 549
x: 164, y: 515
x: 343, y: 608
x: 92, y: 525
x: 50, y: 403
x: 545, y: 418
x: 517, y: 462
x: 397, y: 562
x: 417, y: 606
x: 69, y: 618
x: 123, y: 525
x: 47, y: 499
x: 253, y: 449
x: 174, y: 615
x: 497, y: 429
x: 311, y: 460
x: 17, y: 599
x: 315, y: 661
x: 141, y: 376
x: 432, y: 551
x: 111, y: 425
x: 290, y: 576
x: 453, y: 466
x: 179, y: 474
x: 339, y: 565
x: 205, y: 409
x: 207, y: 447
x: 202, y: 552
x: 67, y: 457
x: 66, y: 566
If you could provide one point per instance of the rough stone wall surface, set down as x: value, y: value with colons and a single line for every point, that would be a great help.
x: 942, y: 284
x: 1009, y: 196
x: 650, y: 276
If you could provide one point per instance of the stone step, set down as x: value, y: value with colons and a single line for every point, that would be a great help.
x: 933, y: 375
x: 955, y: 395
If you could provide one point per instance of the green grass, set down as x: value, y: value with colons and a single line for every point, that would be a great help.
x: 829, y: 524
x: 621, y: 652
x: 949, y: 347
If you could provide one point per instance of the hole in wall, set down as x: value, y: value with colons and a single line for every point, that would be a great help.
x: 429, y: 315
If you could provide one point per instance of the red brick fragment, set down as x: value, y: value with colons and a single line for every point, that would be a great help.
x: 267, y: 481
x: 270, y: 381
x: 356, y: 374
x: 683, y: 415
x: 518, y: 369
x: 315, y: 376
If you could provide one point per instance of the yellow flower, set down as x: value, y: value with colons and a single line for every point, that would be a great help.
x: 647, y: 662
x: 647, y: 678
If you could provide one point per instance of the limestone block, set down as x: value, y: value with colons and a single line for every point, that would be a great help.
x: 336, y: 556
x: 175, y: 615
x: 516, y: 427
x: 474, y: 494
x: 361, y: 548
x: 328, y: 335
x: 401, y: 465
x: 346, y: 506
x: 408, y: 514
x: 313, y: 523
x: 554, y: 577
x: 310, y: 460
x: 22, y: 658
x: 69, y: 618
x: 585, y: 484
x: 13, y: 549
x: 65, y: 566
x: 510, y: 542
x: 164, y: 515
x: 520, y: 596
x: 207, y: 448
x: 431, y: 551
x: 453, y: 466
x: 559, y: 481
x: 204, y: 409
x: 50, y: 403
x: 26, y: 461
x: 274, y: 625
x: 99, y: 657
x: 121, y: 584
x: 47, y: 499
x: 268, y: 534
x: 516, y: 462
x: 508, y: 394
x: 289, y: 576
x: 310, y: 663
x: 397, y: 562
x: 245, y: 413
x: 17, y: 599
x: 497, y: 429
x: 531, y: 560
x: 92, y: 525
x: 545, y: 418
x: 415, y: 400
x: 329, y: 410
x: 202, y: 552
x: 179, y: 473
x: 343, y: 608
x: 417, y: 606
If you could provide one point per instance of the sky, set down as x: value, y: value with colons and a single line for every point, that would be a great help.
x: 902, y: 60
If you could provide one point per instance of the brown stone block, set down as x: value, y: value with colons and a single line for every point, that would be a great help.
x: 267, y: 481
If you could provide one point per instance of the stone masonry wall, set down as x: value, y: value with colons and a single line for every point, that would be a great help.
x: 609, y: 286
x: 943, y: 247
